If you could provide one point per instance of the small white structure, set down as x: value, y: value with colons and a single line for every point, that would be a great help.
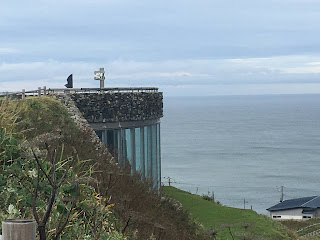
x: 296, y: 209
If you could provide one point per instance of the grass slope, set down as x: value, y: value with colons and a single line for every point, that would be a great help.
x: 222, y: 218
x: 137, y: 211
x: 304, y: 227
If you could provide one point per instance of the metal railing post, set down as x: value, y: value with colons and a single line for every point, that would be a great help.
x: 18, y: 229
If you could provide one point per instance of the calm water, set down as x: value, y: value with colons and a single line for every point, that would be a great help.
x: 243, y: 147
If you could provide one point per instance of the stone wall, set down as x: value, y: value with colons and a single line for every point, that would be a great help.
x: 119, y: 106
x: 83, y: 124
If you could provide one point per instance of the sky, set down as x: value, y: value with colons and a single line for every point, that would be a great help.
x: 186, y: 48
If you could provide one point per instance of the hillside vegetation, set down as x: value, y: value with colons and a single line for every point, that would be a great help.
x: 95, y: 200
x: 229, y: 223
x: 309, y: 229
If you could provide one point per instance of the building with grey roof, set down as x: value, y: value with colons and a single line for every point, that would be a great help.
x: 296, y: 209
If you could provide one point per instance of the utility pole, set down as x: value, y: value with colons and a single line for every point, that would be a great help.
x: 212, y: 196
x: 244, y: 203
x: 169, y: 182
x: 281, y: 195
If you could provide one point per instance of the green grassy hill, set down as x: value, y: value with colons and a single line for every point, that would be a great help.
x: 229, y: 223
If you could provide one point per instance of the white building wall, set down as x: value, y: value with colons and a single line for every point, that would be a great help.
x: 317, y: 213
x: 294, y: 214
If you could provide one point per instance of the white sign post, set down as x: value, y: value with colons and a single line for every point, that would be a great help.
x: 99, y: 75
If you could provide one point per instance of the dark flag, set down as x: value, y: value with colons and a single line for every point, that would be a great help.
x: 69, y: 82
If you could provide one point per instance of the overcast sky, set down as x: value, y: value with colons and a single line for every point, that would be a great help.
x: 203, y: 47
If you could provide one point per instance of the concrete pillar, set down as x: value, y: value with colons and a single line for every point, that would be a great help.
x: 44, y: 90
x: 18, y: 229
x: 39, y: 91
x: 23, y: 94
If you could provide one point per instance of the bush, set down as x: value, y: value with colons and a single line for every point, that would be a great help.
x: 208, y: 198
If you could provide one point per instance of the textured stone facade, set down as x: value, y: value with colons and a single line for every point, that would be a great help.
x: 81, y: 122
x: 119, y: 106
x: 128, y: 124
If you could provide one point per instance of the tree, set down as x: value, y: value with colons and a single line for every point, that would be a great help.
x: 70, y: 197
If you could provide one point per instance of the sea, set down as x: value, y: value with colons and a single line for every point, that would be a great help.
x: 242, y: 149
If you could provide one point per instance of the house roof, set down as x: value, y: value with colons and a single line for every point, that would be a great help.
x: 306, y: 202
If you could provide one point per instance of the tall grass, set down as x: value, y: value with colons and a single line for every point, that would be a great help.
x: 9, y: 112
x: 9, y: 119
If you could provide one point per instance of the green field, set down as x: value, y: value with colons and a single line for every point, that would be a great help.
x: 231, y: 223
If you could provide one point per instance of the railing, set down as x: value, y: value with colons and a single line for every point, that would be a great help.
x: 48, y: 91
x: 307, y: 227
x: 100, y: 90
x: 316, y: 232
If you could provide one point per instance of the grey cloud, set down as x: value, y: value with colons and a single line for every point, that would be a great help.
x: 165, y: 43
x: 170, y: 73
x: 146, y: 30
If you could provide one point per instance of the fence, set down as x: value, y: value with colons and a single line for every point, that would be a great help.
x: 47, y: 91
